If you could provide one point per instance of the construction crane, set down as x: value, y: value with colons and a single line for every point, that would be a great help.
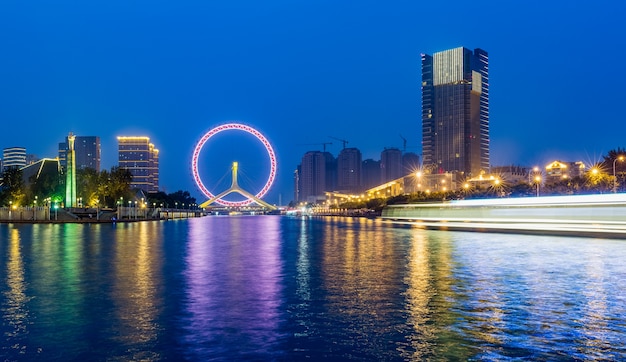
x: 403, y: 143
x: 340, y: 140
x: 317, y: 144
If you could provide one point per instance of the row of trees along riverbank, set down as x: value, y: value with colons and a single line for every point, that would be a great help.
x: 95, y: 189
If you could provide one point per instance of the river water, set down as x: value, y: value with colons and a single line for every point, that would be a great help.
x: 281, y: 288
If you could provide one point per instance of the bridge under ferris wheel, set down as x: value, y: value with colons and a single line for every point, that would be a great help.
x: 235, y: 188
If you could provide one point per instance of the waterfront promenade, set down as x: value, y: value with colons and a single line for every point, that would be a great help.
x: 43, y: 214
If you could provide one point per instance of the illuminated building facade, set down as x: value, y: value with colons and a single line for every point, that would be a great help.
x: 87, y: 152
x: 14, y: 157
x: 349, y: 170
x: 559, y: 170
x: 455, y: 111
x: 141, y: 158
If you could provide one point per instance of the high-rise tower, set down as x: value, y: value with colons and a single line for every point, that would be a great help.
x: 390, y: 165
x: 141, y: 158
x: 312, y: 176
x: 455, y: 111
x: 87, y: 151
x: 14, y: 157
x: 349, y: 170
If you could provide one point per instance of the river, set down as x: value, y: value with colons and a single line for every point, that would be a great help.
x: 282, y: 288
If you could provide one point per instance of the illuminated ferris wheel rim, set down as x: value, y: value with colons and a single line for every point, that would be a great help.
x: 239, y: 127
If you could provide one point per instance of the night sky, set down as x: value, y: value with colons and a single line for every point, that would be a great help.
x: 301, y: 72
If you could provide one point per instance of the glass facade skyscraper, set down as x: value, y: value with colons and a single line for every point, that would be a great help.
x: 455, y: 111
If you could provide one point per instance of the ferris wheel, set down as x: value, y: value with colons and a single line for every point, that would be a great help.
x: 234, y: 187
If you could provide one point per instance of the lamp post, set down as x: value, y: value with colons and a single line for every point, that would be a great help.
x: 10, y: 209
x: 537, y: 181
x: 621, y: 158
x: 418, y: 174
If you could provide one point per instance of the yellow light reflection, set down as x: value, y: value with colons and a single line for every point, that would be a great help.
x: 15, y: 314
x: 418, y: 297
x: 135, y: 292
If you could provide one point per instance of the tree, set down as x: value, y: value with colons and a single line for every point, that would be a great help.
x: 87, y: 182
x: 598, y: 181
x: 182, y: 198
x: 119, y: 180
x: 46, y: 185
x: 178, y: 198
x: 617, y: 158
x: 13, y: 190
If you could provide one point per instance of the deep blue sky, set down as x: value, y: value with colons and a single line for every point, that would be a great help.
x: 300, y: 72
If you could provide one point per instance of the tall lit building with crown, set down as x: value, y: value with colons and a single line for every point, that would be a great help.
x: 141, y: 158
x: 455, y: 111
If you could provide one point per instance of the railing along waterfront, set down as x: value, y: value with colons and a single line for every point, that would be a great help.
x: 42, y: 214
x: 579, y: 215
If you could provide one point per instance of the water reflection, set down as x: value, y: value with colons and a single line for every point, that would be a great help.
x: 597, y: 333
x: 15, y: 313
x: 303, y: 278
x: 272, y: 288
x: 533, y: 301
x: 431, y: 299
x: 233, y: 287
x: 362, y: 277
x: 136, y: 289
x: 419, y: 294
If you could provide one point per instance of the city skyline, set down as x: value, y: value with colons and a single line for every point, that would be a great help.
x: 301, y: 74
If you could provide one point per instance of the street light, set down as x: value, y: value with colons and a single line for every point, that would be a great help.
x: 418, y: 174
x: 537, y: 181
x: 532, y: 172
x: 621, y: 158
